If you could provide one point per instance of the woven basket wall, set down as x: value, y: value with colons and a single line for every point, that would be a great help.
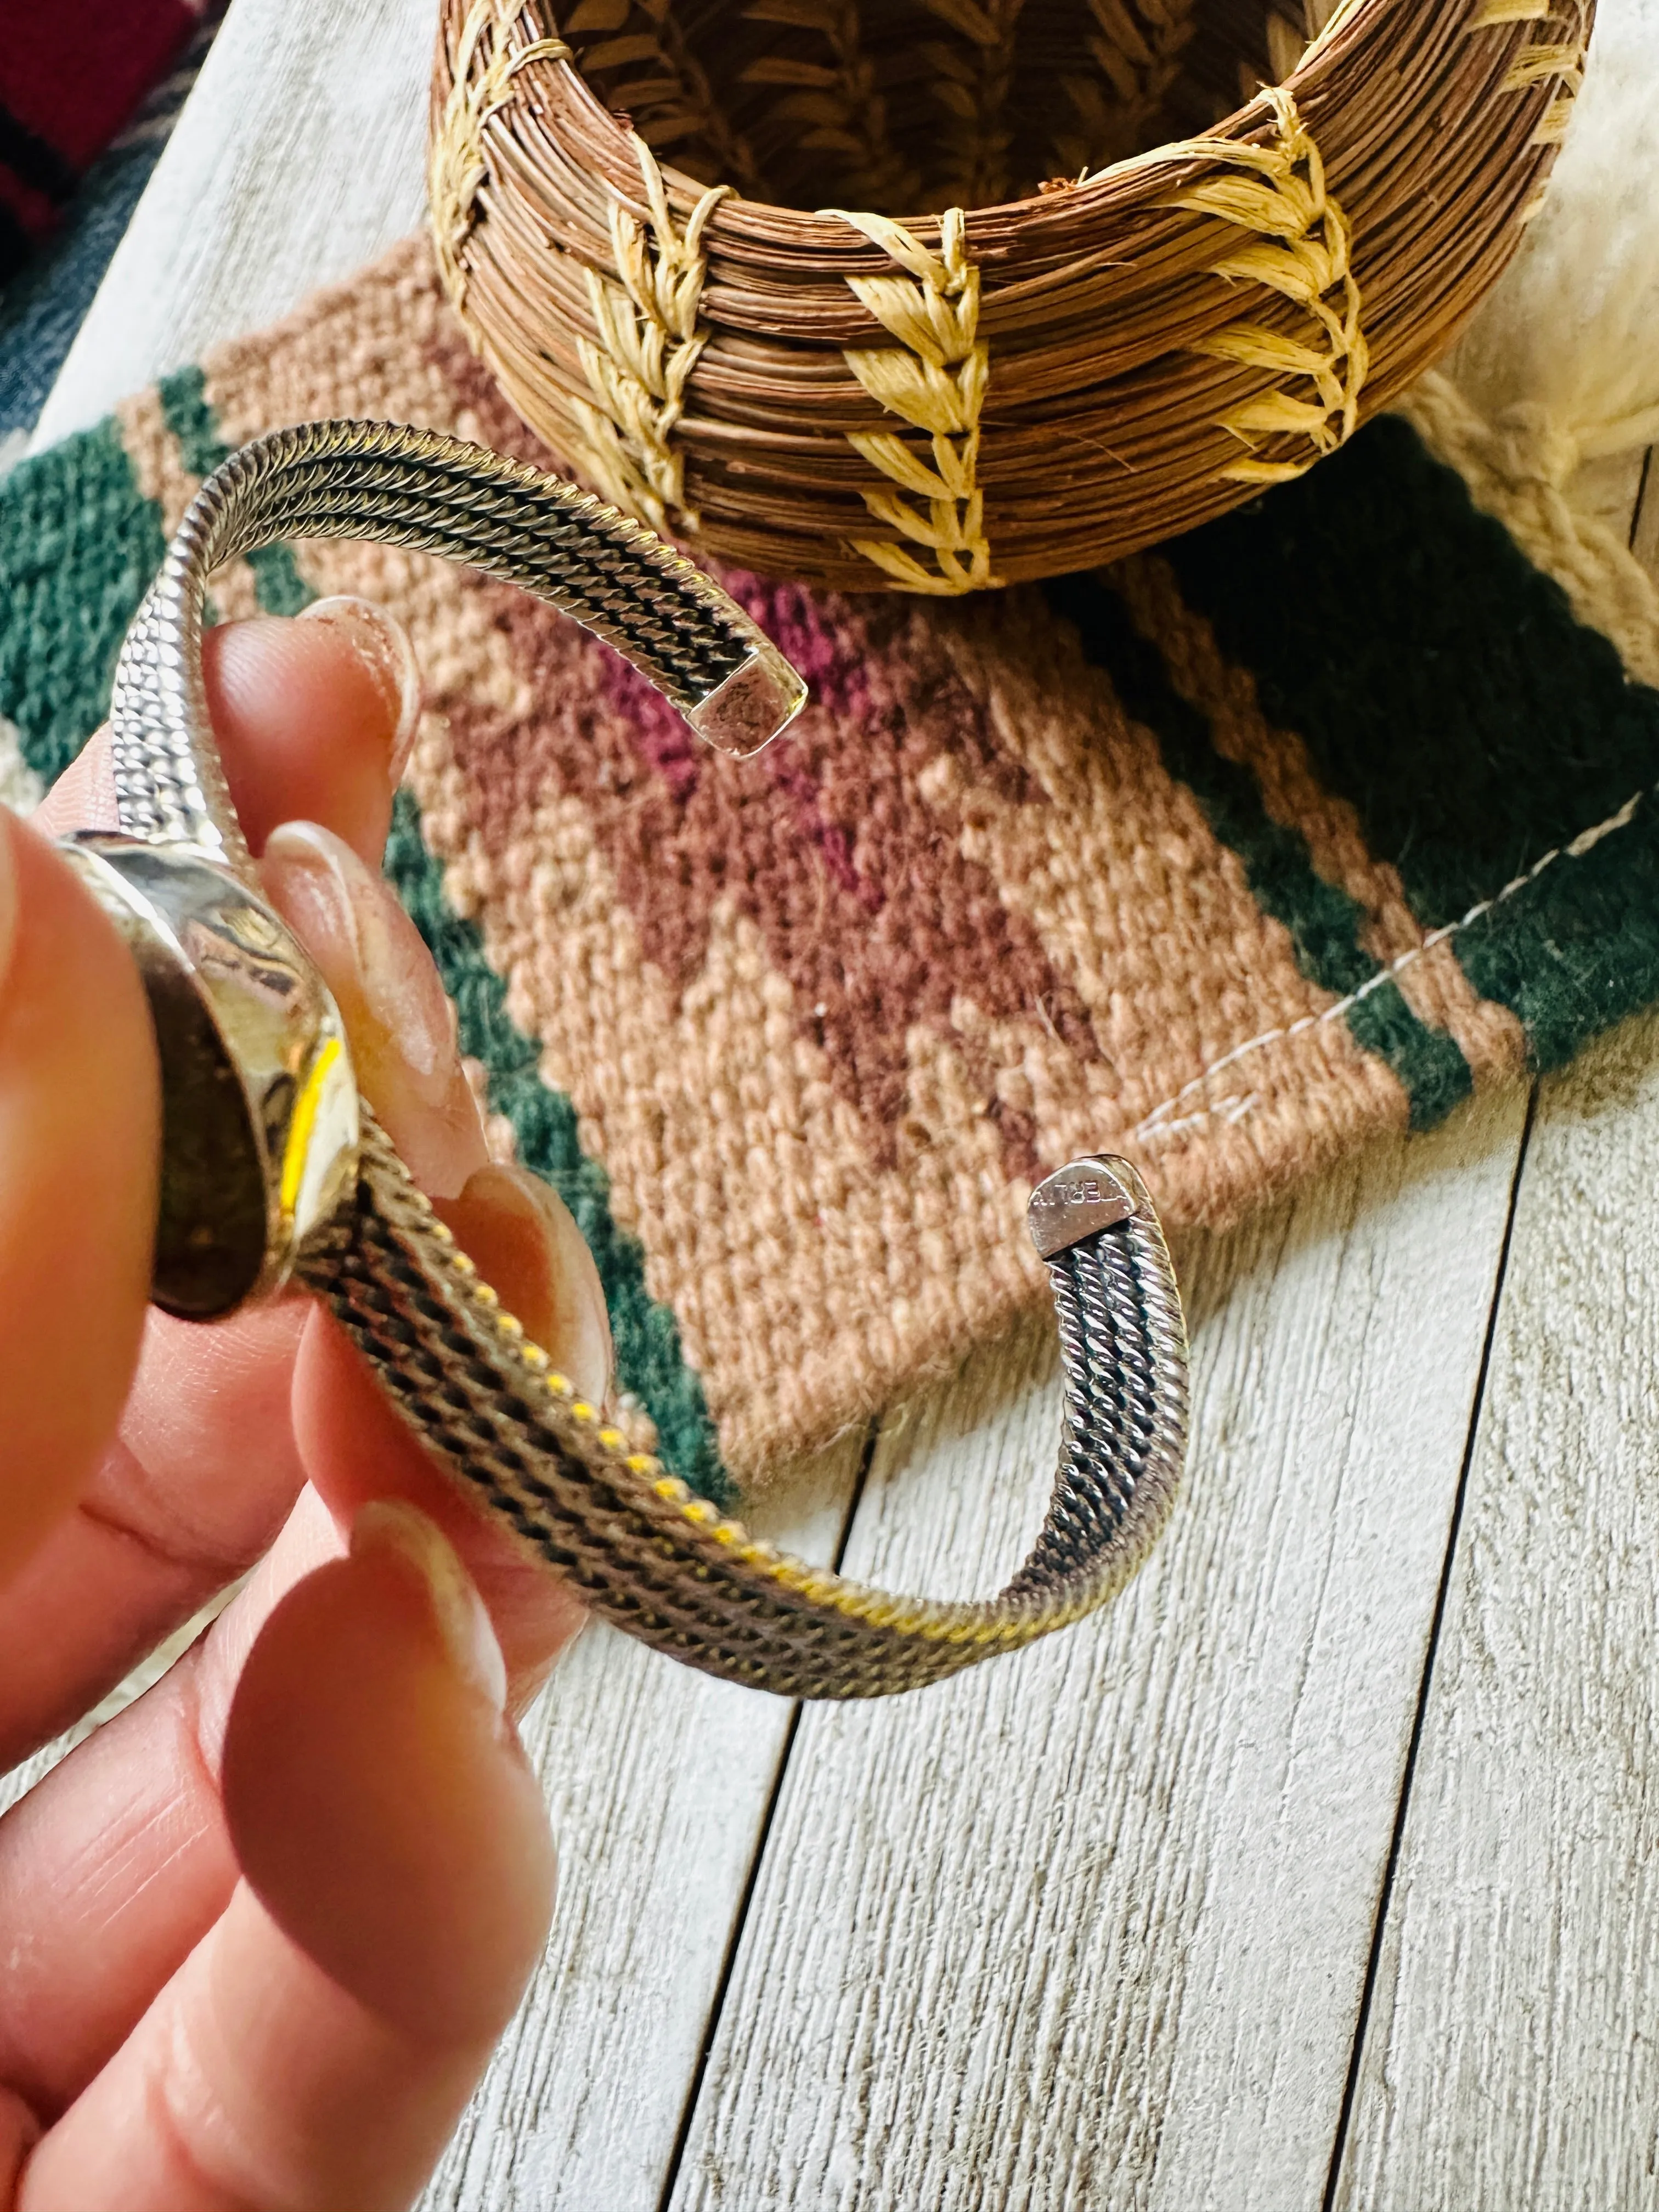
x: 685, y: 236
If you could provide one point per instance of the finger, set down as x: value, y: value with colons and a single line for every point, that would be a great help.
x: 116, y: 1860
x: 377, y: 1796
x: 117, y: 1863
x: 401, y: 1025
x: 316, y: 2048
x: 110, y: 1871
x: 79, y: 1131
x: 527, y: 1243
x: 19, y: 2133
x: 160, y: 1528
x: 314, y: 718
x: 314, y: 714
x: 358, y: 1448
x: 522, y: 1234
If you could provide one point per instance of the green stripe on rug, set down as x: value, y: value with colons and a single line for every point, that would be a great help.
x: 184, y: 407
x: 1443, y: 687
x: 649, y: 1361
x: 79, y: 543
x: 1576, y: 949
x: 1323, y: 922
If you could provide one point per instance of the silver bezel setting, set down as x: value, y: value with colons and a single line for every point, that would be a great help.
x: 261, y: 1122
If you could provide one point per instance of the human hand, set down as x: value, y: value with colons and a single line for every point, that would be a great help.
x: 261, y: 1930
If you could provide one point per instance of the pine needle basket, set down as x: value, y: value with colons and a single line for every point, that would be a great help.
x: 684, y: 237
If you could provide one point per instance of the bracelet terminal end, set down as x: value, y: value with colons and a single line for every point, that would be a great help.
x: 1085, y: 1196
x: 756, y: 704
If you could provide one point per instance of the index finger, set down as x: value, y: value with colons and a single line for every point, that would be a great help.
x: 314, y: 717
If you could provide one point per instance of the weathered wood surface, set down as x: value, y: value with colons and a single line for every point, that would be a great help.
x: 299, y: 156
x: 1510, y: 2056
x: 1091, y: 1926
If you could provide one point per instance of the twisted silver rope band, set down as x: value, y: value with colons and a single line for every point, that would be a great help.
x: 648, y: 1554
x: 386, y: 483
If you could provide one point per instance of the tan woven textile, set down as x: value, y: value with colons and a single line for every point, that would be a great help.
x: 1225, y: 859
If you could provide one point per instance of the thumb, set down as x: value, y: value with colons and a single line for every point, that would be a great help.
x: 80, y: 1121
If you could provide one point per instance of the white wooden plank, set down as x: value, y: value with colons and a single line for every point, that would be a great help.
x: 1510, y: 2058
x: 1507, y: 2056
x: 1090, y: 1926
x: 298, y: 157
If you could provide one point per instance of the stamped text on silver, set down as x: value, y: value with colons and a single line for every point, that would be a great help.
x: 1079, y: 1199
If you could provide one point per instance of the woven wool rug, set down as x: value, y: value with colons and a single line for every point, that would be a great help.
x: 1301, y: 829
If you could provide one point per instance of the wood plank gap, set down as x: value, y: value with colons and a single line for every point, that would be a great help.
x: 867, y: 1461
x: 1379, y: 1926
x: 1636, y: 512
x: 740, y: 1919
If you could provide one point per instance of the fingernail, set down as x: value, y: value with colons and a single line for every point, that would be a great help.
x: 8, y: 889
x: 528, y: 1248
x: 468, y: 1635
x: 401, y: 1025
x: 382, y: 643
